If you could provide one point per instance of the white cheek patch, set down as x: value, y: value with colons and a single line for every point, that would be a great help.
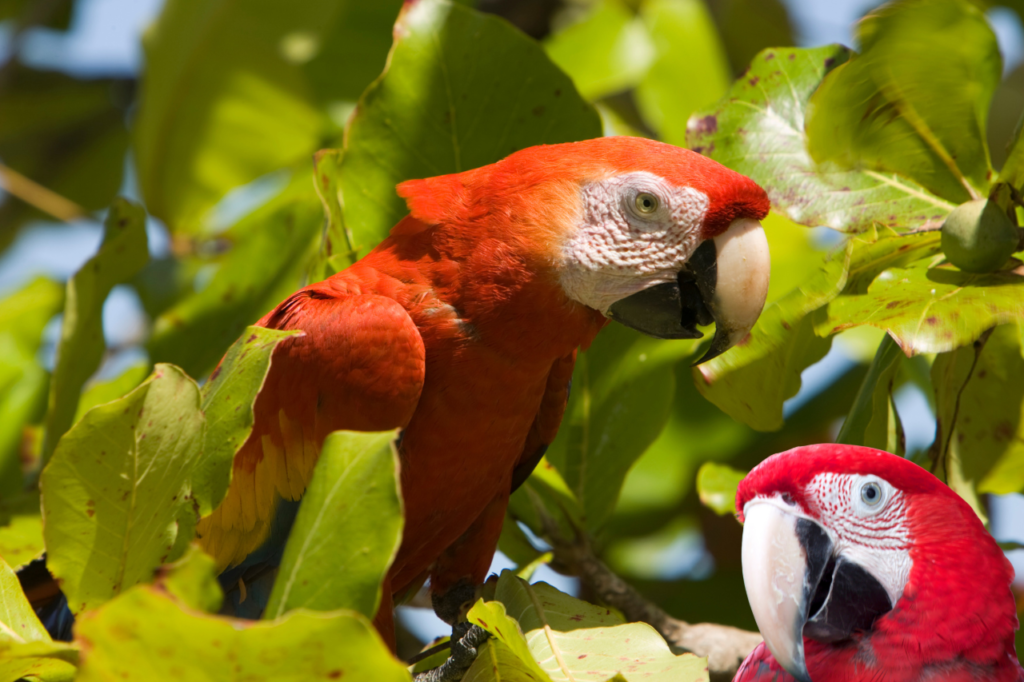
x: 615, y: 252
x: 879, y: 543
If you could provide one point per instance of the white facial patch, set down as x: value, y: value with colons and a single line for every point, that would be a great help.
x: 867, y: 519
x: 618, y: 249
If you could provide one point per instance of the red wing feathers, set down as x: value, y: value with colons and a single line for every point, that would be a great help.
x: 360, y: 367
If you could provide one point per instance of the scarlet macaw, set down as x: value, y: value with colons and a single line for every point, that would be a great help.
x: 860, y: 565
x: 461, y: 329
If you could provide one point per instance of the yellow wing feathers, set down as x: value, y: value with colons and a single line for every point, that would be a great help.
x: 269, y: 467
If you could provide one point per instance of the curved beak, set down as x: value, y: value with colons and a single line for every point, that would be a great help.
x: 725, y: 281
x: 798, y: 586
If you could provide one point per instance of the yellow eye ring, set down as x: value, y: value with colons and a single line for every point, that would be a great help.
x: 646, y: 203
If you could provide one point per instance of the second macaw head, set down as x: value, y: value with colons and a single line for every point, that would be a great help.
x: 656, y: 237
x: 861, y: 565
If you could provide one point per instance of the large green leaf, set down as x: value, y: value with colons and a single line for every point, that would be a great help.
x: 348, y: 52
x: 989, y: 416
x: 929, y: 308
x: 143, y: 635
x: 223, y: 101
x: 689, y: 71
x: 117, y: 500
x: 608, y: 51
x: 461, y: 90
x: 228, y: 399
x: 21, y: 528
x: 620, y: 400
x: 569, y: 639
x: 272, y: 247
x: 347, y: 530
x: 758, y: 130
x: 916, y: 100
x: 122, y: 254
x: 873, y: 420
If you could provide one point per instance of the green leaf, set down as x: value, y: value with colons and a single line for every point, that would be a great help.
x: 571, y: 639
x: 192, y: 580
x: 228, y: 400
x: 18, y: 622
x: 749, y: 26
x: 337, y: 247
x: 716, y: 485
x: 1013, y: 169
x: 224, y: 101
x: 26, y: 649
x: 271, y: 249
x: 929, y: 309
x: 988, y: 414
x: 608, y: 51
x: 143, y: 635
x: 697, y: 431
x: 43, y: 661
x: 358, y: 36
x: 509, y: 648
x: 462, y: 89
x: 758, y: 130
x: 26, y: 312
x: 873, y: 421
x: 21, y: 528
x: 951, y: 374
x: 104, y: 391
x: 23, y: 391
x: 514, y: 544
x: 116, y: 496
x: 347, y: 531
x: 915, y: 102
x: 621, y: 395
x: 80, y: 351
x: 689, y: 71
x: 546, y: 494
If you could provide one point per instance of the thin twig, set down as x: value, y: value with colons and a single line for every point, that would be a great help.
x: 724, y: 646
x: 36, y: 195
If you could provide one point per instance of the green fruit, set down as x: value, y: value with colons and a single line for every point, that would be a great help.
x: 978, y: 236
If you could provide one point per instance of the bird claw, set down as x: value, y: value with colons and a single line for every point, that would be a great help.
x: 466, y: 639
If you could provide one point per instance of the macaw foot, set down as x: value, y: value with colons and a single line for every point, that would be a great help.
x: 466, y: 639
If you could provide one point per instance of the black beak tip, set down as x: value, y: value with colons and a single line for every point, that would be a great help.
x: 719, y: 344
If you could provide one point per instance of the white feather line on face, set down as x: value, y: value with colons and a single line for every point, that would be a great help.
x: 615, y: 251
x: 879, y: 542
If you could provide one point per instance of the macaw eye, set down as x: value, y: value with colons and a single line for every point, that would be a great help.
x: 646, y: 203
x: 871, y: 493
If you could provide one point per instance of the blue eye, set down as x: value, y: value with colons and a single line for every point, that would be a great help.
x: 871, y: 494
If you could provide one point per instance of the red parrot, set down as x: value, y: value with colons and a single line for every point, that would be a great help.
x: 461, y: 329
x: 860, y: 565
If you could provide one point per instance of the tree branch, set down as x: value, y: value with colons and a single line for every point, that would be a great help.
x: 724, y: 645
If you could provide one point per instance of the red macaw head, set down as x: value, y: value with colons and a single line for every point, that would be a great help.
x: 656, y: 237
x: 859, y: 564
